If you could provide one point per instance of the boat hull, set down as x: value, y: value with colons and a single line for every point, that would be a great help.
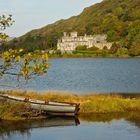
x: 49, y: 107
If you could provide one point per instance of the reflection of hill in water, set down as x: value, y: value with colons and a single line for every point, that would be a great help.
x: 132, y: 117
x: 8, y: 128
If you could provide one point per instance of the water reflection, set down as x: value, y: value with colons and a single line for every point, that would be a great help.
x: 9, y: 128
x: 132, y: 117
x: 117, y: 123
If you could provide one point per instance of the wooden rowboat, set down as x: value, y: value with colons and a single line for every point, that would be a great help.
x: 50, y: 107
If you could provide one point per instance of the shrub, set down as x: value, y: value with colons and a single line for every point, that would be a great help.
x: 84, y: 47
x: 93, y: 48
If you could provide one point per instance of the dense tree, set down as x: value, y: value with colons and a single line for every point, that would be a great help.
x: 114, y: 48
x: 135, y: 49
x: 122, y: 52
x: 82, y: 47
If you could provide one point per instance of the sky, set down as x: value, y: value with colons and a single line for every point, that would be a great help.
x: 34, y: 14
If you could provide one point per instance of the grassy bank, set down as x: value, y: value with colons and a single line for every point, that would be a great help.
x: 89, y: 55
x: 109, y: 103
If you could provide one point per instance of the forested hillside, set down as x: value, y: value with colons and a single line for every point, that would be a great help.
x: 119, y: 19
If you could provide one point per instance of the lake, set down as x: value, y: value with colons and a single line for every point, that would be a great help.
x: 86, y: 75
x: 81, y: 75
x: 98, y: 127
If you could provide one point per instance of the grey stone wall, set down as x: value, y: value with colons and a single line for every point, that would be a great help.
x: 69, y: 42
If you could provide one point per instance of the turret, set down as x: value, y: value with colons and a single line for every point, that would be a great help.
x: 73, y: 34
x: 65, y: 34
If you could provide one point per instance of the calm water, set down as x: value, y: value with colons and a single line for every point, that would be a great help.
x: 95, y: 127
x: 88, y: 75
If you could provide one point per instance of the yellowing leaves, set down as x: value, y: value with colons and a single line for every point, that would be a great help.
x: 18, y: 58
x: 21, y: 50
x: 32, y: 63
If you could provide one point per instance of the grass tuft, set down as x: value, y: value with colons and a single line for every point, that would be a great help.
x: 93, y: 103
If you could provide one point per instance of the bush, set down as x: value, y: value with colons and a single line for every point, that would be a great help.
x: 134, y: 51
x: 114, y: 48
x: 84, y: 47
x: 122, y: 51
x: 93, y: 48
x: 58, y: 52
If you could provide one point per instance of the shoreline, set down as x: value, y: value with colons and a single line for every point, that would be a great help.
x: 89, y: 56
x: 97, y: 103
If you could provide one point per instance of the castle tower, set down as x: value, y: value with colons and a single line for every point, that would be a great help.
x: 73, y: 34
x: 65, y: 34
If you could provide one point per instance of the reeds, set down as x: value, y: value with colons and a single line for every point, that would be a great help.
x: 93, y: 103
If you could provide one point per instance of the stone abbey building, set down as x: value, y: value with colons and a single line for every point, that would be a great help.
x: 69, y: 42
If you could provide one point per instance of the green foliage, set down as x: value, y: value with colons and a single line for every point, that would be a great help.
x: 112, y: 35
x: 58, y: 52
x: 17, y: 62
x: 114, y: 48
x: 134, y: 51
x: 30, y: 64
x: 3, y: 36
x: 119, y: 19
x: 84, y: 47
x: 93, y: 48
x: 122, y: 52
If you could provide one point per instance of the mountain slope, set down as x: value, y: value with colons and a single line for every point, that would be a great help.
x: 119, y: 19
